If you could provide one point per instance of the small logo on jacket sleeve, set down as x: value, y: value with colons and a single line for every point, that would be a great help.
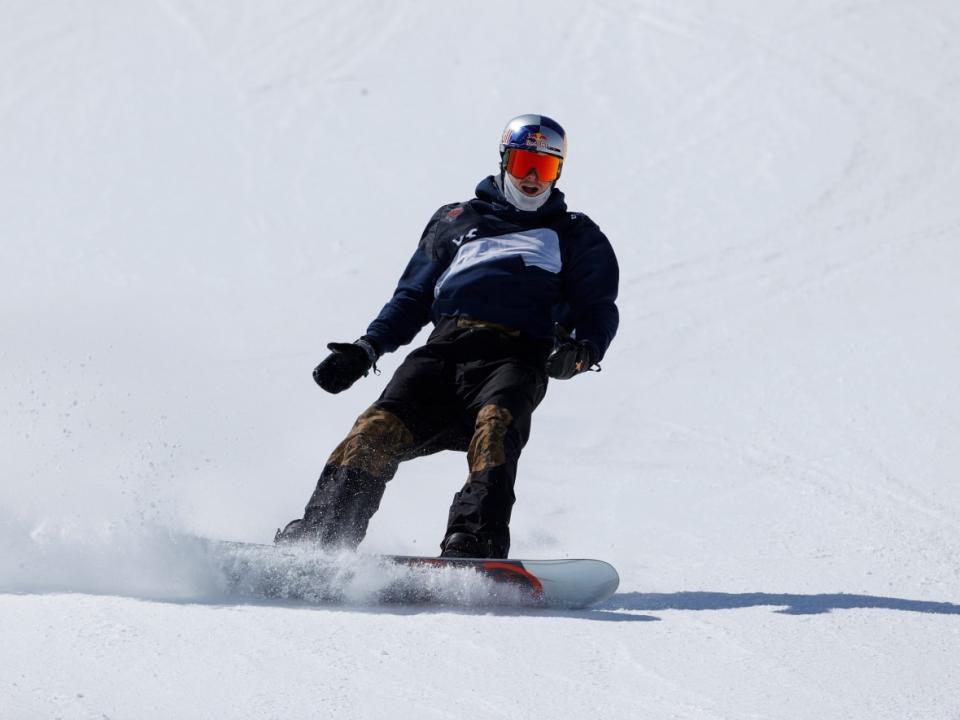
x: 454, y: 213
x: 470, y: 235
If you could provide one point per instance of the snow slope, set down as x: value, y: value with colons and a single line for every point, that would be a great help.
x: 196, y: 196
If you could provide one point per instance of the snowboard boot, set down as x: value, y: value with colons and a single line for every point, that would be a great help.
x: 466, y: 545
x: 295, y: 531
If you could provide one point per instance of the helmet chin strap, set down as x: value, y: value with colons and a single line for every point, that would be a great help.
x: 520, y: 200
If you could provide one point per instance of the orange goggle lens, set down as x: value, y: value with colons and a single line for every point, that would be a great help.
x: 521, y: 162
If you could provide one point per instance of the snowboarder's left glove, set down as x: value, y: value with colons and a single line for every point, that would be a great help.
x: 347, y: 363
x: 570, y: 357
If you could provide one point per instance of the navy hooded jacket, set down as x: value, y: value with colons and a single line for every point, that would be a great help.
x: 483, y: 259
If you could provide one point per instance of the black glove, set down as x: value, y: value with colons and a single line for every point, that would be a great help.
x: 347, y: 363
x: 570, y: 357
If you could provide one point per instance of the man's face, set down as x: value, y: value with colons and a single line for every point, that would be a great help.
x: 530, y: 172
x: 529, y: 184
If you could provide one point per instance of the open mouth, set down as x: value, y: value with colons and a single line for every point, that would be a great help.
x: 530, y: 189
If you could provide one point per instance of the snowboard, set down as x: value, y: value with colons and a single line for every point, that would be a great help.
x: 303, y: 572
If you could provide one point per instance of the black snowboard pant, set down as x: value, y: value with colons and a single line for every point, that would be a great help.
x: 472, y: 388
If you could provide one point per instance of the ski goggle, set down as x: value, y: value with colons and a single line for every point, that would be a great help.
x: 519, y: 163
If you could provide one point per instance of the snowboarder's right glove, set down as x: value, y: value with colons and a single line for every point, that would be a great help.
x: 570, y: 358
x: 347, y: 363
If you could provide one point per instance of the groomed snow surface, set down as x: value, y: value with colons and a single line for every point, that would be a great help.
x: 197, y: 195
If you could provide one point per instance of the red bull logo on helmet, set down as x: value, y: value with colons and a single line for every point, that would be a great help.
x: 537, y: 139
x: 540, y: 141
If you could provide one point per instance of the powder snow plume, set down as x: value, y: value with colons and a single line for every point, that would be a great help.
x: 149, y: 561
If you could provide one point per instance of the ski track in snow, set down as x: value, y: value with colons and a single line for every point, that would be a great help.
x: 196, y: 196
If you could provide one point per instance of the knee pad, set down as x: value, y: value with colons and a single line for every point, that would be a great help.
x: 374, y: 444
x: 488, y: 446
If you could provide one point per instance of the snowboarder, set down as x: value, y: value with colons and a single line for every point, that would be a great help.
x: 519, y: 289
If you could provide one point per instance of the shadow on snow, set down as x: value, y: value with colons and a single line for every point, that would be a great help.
x: 622, y: 607
x: 792, y: 604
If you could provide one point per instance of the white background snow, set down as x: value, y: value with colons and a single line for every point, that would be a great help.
x: 197, y: 195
